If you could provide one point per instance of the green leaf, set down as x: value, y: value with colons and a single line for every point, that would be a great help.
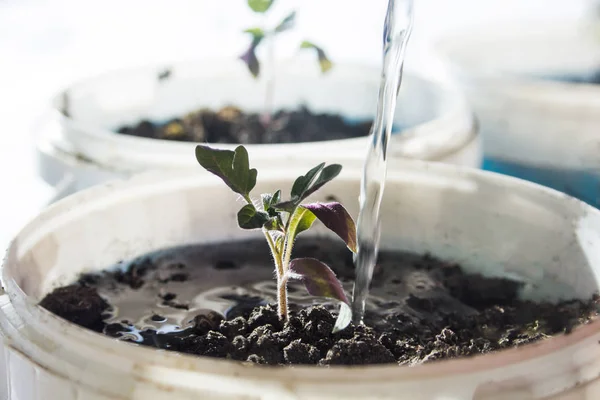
x: 231, y: 166
x: 302, y: 183
x: 300, y: 221
x: 307, y: 184
x: 336, y: 218
x: 260, y: 6
x: 324, y: 62
x: 287, y: 23
x: 328, y: 173
x: 269, y: 200
x: 250, y: 218
x: 276, y: 197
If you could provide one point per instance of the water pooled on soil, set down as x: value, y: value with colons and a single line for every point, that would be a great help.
x: 218, y: 300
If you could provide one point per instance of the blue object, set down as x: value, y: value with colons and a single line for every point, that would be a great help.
x: 581, y: 184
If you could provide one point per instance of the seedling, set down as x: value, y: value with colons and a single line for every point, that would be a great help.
x: 282, y: 221
x: 261, y: 35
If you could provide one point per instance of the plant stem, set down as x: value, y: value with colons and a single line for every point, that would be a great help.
x: 282, y: 297
x: 288, y: 244
x: 275, y: 253
x: 282, y: 309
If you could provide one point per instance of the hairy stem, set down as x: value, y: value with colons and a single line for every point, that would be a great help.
x: 282, y: 297
x: 288, y: 243
x: 276, y: 255
x: 282, y: 309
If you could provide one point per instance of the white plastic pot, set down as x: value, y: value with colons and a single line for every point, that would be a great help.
x: 433, y: 120
x: 489, y: 223
x: 539, y: 129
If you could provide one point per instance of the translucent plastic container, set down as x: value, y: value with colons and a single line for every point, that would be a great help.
x: 433, y: 121
x: 491, y: 224
x: 535, y: 124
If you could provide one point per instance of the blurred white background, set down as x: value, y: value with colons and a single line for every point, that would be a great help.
x: 45, y: 45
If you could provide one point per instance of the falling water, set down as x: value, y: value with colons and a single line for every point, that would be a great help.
x: 397, y: 29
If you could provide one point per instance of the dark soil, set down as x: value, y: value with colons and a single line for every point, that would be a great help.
x: 434, y: 311
x: 81, y: 305
x: 232, y: 125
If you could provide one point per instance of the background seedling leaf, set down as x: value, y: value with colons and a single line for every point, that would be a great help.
x: 250, y: 218
x: 337, y: 219
x: 260, y: 6
x: 249, y: 56
x: 287, y: 23
x: 231, y: 166
x: 324, y: 62
x: 257, y: 33
x: 318, y: 278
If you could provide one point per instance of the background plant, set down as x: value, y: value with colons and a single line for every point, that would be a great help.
x: 282, y: 221
x: 262, y: 35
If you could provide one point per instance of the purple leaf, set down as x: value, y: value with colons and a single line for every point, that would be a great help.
x: 318, y: 278
x: 249, y: 56
x: 336, y: 218
x: 251, y: 61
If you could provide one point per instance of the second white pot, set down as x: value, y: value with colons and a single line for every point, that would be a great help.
x: 434, y: 122
x: 533, y: 124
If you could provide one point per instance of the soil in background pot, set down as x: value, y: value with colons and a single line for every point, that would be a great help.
x: 217, y: 301
x: 232, y: 125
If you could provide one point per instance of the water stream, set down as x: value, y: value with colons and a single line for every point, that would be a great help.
x: 396, y: 32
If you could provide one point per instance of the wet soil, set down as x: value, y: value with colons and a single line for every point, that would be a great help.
x: 218, y: 301
x: 232, y: 125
